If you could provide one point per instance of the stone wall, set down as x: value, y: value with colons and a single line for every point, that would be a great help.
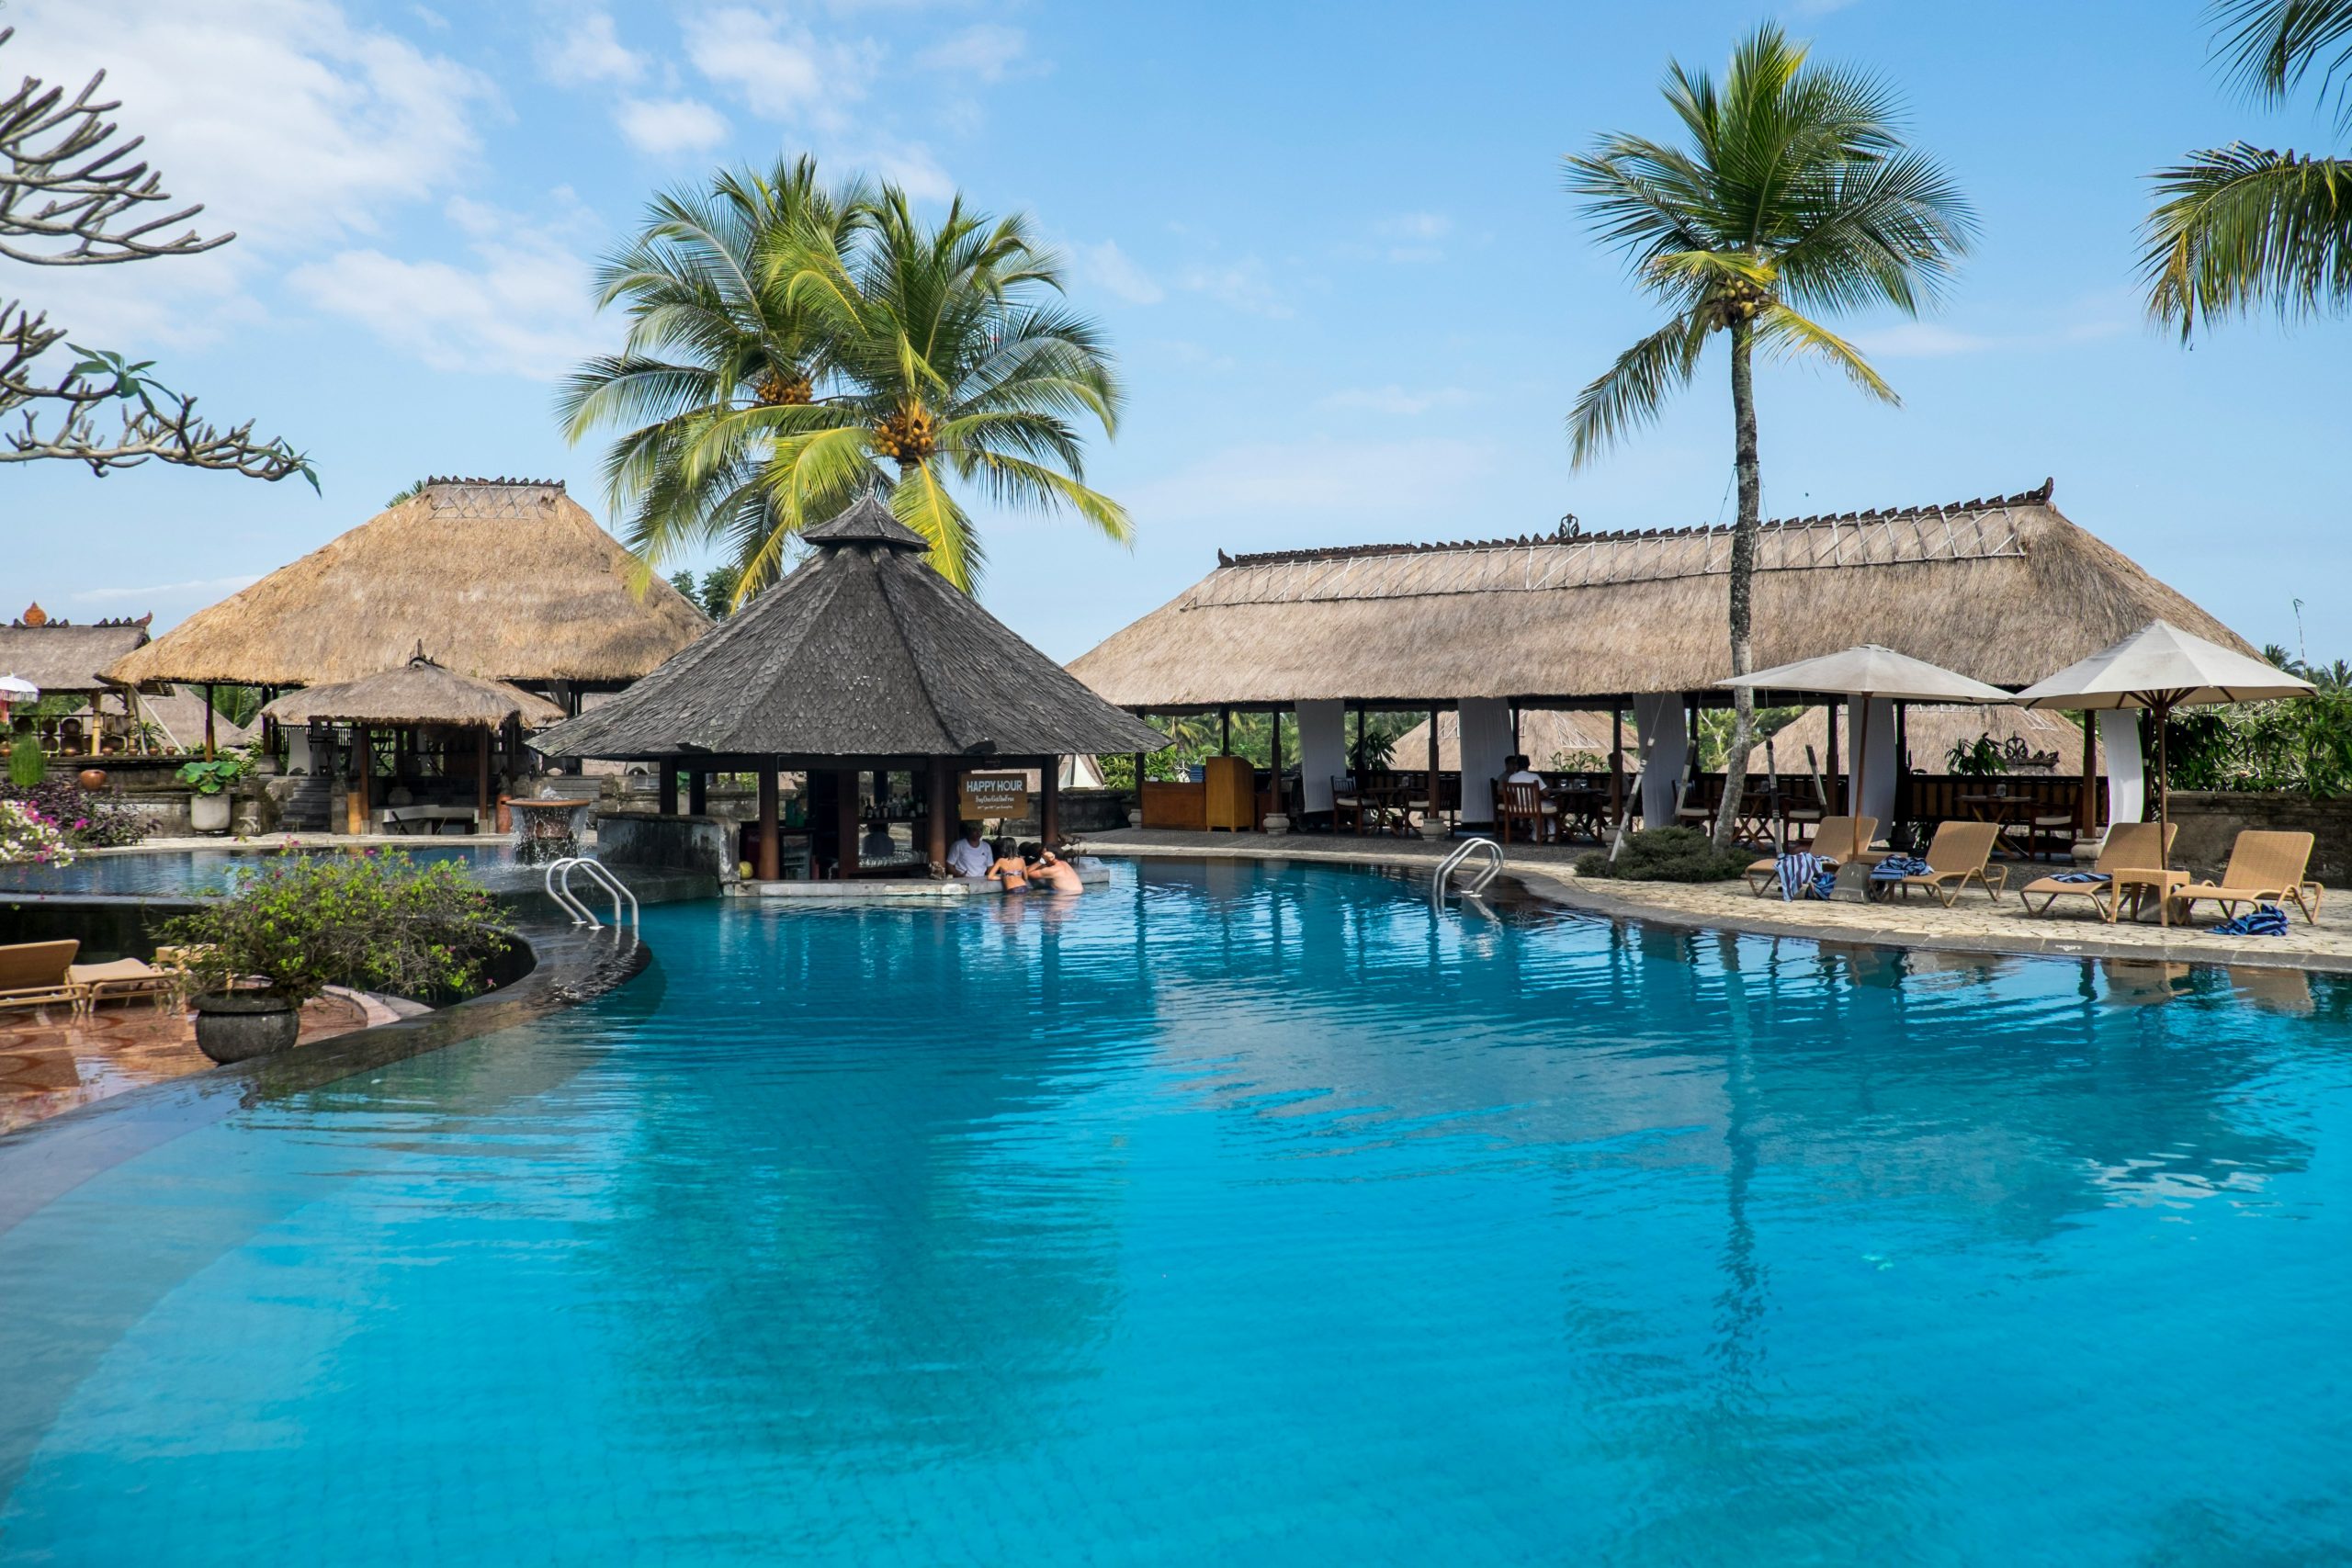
x: 698, y: 844
x: 2209, y: 821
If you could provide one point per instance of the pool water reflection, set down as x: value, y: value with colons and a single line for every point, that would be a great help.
x: 163, y: 872
x: 1234, y: 1214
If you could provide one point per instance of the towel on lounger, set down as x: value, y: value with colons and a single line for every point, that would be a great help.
x: 1894, y: 868
x: 2082, y: 876
x: 2263, y: 920
x: 1801, y: 872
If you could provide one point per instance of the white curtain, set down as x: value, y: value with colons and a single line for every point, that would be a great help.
x: 1322, y: 748
x: 2127, y: 786
x: 1659, y: 720
x: 1485, y: 741
x: 1878, y: 777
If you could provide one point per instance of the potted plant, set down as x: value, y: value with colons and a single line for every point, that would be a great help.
x: 303, y: 922
x: 207, y: 808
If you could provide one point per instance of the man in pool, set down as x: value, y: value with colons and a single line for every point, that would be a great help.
x: 1050, y: 871
x: 970, y: 854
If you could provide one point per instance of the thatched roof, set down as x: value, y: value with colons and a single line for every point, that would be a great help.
x: 179, y: 713
x: 420, y: 692
x: 509, y: 579
x: 60, y: 657
x: 1933, y: 731
x: 863, y: 651
x: 1544, y: 734
x: 2005, y: 591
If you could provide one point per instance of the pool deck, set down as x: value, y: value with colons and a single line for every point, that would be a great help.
x: 1976, y: 925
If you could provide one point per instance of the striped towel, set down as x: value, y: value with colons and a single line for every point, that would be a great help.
x: 2263, y: 920
x: 1894, y: 868
x: 1804, y: 872
x: 2084, y: 876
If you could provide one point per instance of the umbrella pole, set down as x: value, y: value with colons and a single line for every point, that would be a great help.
x: 2163, y: 819
x: 1861, y: 757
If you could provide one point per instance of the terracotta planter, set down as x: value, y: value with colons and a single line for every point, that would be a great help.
x: 92, y: 779
x: 233, y: 1026
x: 208, y: 813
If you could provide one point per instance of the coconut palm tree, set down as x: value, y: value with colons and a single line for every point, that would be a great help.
x: 956, y: 365
x: 2238, y: 228
x: 712, y: 341
x: 1791, y: 194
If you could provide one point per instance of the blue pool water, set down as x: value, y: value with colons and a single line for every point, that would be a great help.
x: 1231, y: 1215
x: 152, y: 873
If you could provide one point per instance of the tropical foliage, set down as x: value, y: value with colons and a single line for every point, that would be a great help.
x: 88, y: 821
x: 372, y: 921
x: 1792, y: 195
x: 28, y: 837
x: 792, y: 346
x: 1668, y: 854
x: 2239, y: 228
x: 2301, y: 744
x: 715, y: 593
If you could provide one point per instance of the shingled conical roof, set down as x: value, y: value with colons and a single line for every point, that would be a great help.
x: 864, y: 651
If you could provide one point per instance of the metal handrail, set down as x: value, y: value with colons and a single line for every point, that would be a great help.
x: 1446, y: 867
x: 562, y: 895
x: 558, y: 887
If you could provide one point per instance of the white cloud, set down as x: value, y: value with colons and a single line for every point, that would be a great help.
x: 908, y: 165
x: 210, y: 587
x: 1396, y: 400
x: 1111, y: 269
x: 1356, y: 480
x: 781, y: 70
x: 1243, y: 286
x: 987, y: 52
x: 664, y: 126
x: 2103, y: 315
x: 523, y: 310
x: 590, y: 51
x: 1922, y: 340
x: 1415, y: 226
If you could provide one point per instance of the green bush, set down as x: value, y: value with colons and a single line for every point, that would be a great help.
x: 211, y: 778
x: 1668, y: 854
x: 372, y: 921
x: 26, y: 764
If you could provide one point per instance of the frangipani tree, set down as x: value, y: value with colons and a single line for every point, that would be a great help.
x: 1792, y: 195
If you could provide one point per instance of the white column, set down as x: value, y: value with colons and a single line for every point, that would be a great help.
x: 1659, y: 719
x: 2127, y: 787
x: 1878, y: 774
x: 1485, y: 741
x: 1322, y: 748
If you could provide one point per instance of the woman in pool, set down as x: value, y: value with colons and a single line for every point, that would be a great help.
x: 1010, y: 868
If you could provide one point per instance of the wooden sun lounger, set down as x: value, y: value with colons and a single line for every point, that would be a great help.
x: 2130, y: 846
x: 1834, y: 838
x: 123, y: 977
x: 2265, y: 867
x: 1959, y: 854
x: 38, y: 975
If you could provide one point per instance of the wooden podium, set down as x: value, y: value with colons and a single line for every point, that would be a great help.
x: 1232, y: 794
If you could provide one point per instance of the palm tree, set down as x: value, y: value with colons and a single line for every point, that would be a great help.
x: 713, y: 343
x: 957, y: 364
x: 1792, y: 195
x: 2237, y: 228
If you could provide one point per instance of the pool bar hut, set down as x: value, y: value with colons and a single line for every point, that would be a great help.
x: 862, y: 666
x: 1625, y: 630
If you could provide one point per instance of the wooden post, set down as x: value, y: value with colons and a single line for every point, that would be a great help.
x: 1050, y: 803
x: 1836, y: 789
x: 1514, y: 726
x: 845, y: 822
x: 363, y: 784
x: 667, y: 802
x: 1274, y: 755
x: 698, y: 793
x: 1902, y: 762
x: 481, y: 775
x: 2088, y: 814
x: 943, y: 811
x: 1359, y: 751
x: 770, y: 862
x: 207, y: 722
x: 1616, y: 764
x: 1224, y: 732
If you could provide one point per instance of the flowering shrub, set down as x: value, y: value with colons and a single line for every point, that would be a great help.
x: 373, y: 921
x: 26, y: 836
x: 88, y: 821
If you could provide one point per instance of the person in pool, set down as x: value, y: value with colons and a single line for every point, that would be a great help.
x: 1011, y: 868
x: 1049, y: 871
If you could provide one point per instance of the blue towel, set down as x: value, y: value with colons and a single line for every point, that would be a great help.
x: 2082, y: 876
x: 2263, y: 920
x: 1800, y: 871
x: 1894, y: 868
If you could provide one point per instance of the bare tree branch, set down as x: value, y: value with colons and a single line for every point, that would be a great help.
x: 62, y: 415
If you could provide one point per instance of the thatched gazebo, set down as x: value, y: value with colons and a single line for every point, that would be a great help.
x: 864, y: 660
x: 420, y: 697
x: 2002, y: 589
x: 509, y: 579
x: 70, y: 659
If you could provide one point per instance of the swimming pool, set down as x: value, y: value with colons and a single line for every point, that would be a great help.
x: 1231, y: 1214
x: 162, y: 873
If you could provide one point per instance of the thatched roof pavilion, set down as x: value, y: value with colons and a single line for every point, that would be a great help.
x: 864, y: 659
x: 2002, y: 589
x: 512, y: 579
x: 420, y: 692
x: 63, y: 658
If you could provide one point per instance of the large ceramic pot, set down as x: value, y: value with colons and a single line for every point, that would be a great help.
x: 208, y: 813
x: 231, y: 1026
x: 92, y: 779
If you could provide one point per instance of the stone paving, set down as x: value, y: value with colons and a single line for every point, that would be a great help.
x: 1975, y: 924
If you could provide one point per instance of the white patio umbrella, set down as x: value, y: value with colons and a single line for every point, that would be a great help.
x: 2160, y: 668
x: 17, y: 689
x: 1865, y: 671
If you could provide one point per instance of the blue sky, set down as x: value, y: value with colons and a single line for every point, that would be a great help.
x: 1329, y: 243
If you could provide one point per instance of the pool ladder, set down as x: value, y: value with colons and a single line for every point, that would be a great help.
x: 1475, y: 884
x: 558, y: 883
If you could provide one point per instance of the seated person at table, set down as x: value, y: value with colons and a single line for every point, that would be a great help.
x: 970, y: 854
x: 1009, y: 868
x: 1049, y: 871
x: 877, y: 844
x: 1516, y: 771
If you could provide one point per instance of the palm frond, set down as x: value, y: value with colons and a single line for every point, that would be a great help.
x: 2238, y: 229
x: 2270, y: 47
x: 1787, y: 335
x: 1630, y: 392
